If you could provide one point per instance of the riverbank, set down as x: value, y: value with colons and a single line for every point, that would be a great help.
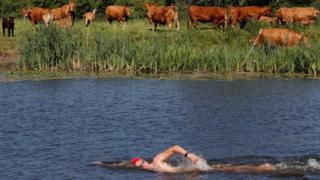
x: 135, y: 49
x: 6, y: 76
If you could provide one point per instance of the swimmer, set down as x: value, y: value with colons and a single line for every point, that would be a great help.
x: 159, y: 163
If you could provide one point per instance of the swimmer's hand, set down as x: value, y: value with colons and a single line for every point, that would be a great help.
x: 194, y: 158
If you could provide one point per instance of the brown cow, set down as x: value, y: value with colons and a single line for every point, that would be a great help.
x: 64, y: 13
x: 302, y: 15
x: 279, y: 36
x: 37, y: 15
x: 162, y: 15
x: 119, y: 13
x: 269, y: 20
x: 89, y: 17
x: 216, y: 15
x: 8, y: 23
x: 243, y: 14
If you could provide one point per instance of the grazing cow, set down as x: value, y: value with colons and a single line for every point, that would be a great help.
x: 269, y: 20
x: 162, y: 15
x: 8, y: 23
x: 216, y: 15
x: 89, y: 17
x: 279, y: 36
x: 65, y: 13
x: 243, y: 14
x: 118, y: 13
x: 37, y: 15
x: 302, y: 15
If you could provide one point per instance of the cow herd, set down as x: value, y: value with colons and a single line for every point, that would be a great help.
x: 218, y: 16
x: 63, y: 16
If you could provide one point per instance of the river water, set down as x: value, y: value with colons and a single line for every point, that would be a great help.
x: 53, y: 129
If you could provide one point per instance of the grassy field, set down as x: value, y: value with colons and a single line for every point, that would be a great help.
x: 135, y: 48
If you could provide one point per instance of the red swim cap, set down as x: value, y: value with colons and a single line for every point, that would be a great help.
x: 135, y: 160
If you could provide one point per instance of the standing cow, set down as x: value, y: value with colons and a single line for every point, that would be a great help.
x: 216, y: 15
x: 64, y: 15
x: 8, y: 23
x: 89, y: 17
x: 302, y: 15
x: 162, y: 15
x: 279, y: 36
x: 37, y: 15
x: 243, y: 14
x: 118, y: 13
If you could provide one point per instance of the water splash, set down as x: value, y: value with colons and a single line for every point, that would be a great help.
x: 202, y: 165
x: 186, y: 165
x: 313, y: 163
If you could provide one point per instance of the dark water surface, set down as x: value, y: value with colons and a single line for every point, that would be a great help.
x: 53, y: 129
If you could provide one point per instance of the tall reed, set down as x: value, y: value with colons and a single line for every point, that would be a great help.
x: 106, y: 48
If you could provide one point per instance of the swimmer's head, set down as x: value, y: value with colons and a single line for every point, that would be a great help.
x: 135, y: 161
x: 139, y: 162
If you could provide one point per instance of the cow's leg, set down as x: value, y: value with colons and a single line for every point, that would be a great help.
x: 34, y: 26
x: 233, y: 23
x: 124, y: 23
x: 109, y: 21
x: 194, y: 23
x: 191, y: 22
x: 177, y: 23
x: 87, y: 22
x: 12, y: 31
x: 154, y: 26
x: 9, y: 32
x: 4, y: 31
x: 170, y: 26
x: 243, y: 24
x: 215, y: 24
x: 115, y: 24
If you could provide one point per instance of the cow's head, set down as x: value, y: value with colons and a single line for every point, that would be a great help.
x: 11, y: 19
x: 149, y: 5
x: 72, y: 7
x: 26, y: 12
x: 267, y: 11
x: 69, y: 10
x: 128, y: 11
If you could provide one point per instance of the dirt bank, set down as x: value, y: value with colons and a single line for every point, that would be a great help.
x: 8, y: 61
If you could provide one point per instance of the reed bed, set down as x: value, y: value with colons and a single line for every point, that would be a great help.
x: 136, y: 48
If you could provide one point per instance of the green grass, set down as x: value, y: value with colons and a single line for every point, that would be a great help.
x: 135, y: 48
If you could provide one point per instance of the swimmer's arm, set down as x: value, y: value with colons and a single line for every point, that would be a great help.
x: 165, y: 155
